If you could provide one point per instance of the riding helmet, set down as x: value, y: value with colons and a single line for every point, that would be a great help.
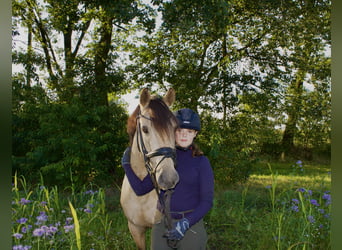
x: 187, y: 118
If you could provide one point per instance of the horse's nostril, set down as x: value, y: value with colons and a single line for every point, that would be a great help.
x: 167, y: 182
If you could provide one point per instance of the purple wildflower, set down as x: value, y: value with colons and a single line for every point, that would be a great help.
x: 26, y: 229
x: 17, y: 236
x: 314, y: 202
x: 43, y: 203
x: 91, y: 192
x: 311, y: 219
x: 327, y: 197
x: 68, y: 220
x: 38, y: 232
x: 49, y: 231
x: 21, y: 247
x: 22, y: 220
x: 23, y: 201
x: 321, y: 211
x: 295, y: 208
x: 302, y: 190
x: 295, y: 201
x: 68, y: 228
x: 87, y: 210
x: 41, y: 217
x: 268, y: 187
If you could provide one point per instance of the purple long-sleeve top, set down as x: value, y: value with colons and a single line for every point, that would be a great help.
x: 194, y: 191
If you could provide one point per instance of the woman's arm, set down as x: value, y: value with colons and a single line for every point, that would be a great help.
x: 206, y: 192
x: 140, y: 187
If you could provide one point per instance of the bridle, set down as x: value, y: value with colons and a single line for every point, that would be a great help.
x: 166, y: 152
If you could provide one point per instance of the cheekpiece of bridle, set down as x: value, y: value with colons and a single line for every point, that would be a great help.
x: 165, y: 152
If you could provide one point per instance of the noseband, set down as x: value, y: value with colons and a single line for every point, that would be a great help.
x: 166, y: 152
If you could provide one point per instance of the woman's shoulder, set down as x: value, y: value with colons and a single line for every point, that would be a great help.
x: 202, y: 160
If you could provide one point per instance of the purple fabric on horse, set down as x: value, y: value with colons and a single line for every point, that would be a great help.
x: 195, y: 190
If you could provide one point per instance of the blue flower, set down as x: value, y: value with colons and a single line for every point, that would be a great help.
x: 43, y: 203
x: 68, y: 220
x: 17, y: 235
x: 23, y: 201
x: 295, y: 208
x: 87, y: 210
x: 296, y: 201
x: 314, y: 202
x: 26, y: 229
x: 327, y: 197
x: 311, y: 219
x: 21, y: 247
x: 68, y: 228
x: 41, y: 218
x: 38, y: 232
x: 302, y: 190
x: 22, y: 220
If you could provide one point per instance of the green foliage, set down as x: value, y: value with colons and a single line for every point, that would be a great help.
x: 231, y: 160
x: 262, y: 67
x: 267, y: 212
x: 216, y: 54
x: 49, y: 217
x: 69, y: 139
x: 273, y: 210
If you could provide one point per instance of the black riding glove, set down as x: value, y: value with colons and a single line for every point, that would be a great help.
x: 179, y: 229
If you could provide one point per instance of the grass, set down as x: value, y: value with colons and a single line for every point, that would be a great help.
x: 282, y: 206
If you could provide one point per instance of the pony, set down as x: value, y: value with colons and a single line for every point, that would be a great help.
x: 151, y: 131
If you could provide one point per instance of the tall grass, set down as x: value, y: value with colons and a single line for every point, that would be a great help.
x: 284, y: 208
x: 49, y: 218
x: 280, y: 207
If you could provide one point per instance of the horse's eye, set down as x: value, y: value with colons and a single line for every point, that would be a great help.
x: 145, y: 129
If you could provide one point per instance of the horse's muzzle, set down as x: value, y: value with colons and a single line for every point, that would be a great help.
x: 168, y: 179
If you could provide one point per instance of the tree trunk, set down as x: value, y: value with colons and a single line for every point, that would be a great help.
x: 101, y: 57
x: 295, y: 92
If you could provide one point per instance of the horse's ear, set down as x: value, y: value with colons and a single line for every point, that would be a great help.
x: 145, y: 97
x: 170, y: 97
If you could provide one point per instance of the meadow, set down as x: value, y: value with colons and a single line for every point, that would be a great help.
x: 281, y: 206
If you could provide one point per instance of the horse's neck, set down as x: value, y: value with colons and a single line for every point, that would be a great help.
x: 138, y: 164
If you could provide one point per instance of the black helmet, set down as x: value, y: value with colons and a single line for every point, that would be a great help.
x: 187, y: 118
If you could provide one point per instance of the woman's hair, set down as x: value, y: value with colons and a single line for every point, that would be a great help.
x: 196, y: 151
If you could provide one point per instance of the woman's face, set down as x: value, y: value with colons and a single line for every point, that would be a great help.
x: 184, y: 137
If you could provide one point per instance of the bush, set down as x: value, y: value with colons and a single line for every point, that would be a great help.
x: 86, y: 142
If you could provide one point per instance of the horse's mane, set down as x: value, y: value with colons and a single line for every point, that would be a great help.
x: 161, y: 116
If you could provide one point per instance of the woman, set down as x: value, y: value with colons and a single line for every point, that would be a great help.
x: 192, y: 197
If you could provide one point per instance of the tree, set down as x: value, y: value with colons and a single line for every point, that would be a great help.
x: 230, y: 57
x: 72, y: 56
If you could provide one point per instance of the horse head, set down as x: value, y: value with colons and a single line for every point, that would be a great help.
x: 152, y: 137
